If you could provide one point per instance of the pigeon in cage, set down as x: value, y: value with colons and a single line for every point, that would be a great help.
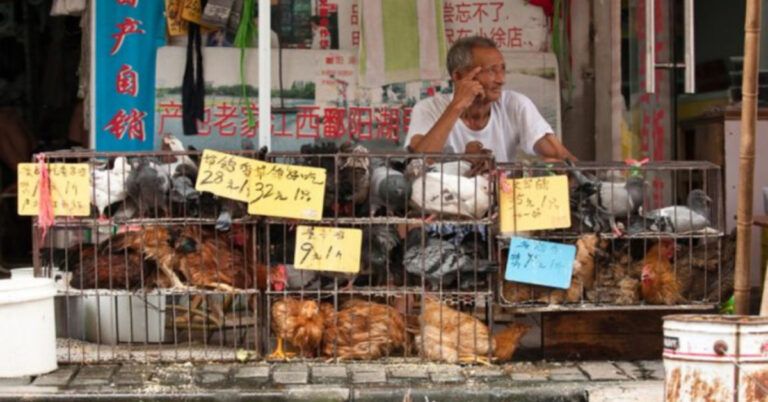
x: 612, y: 199
x: 440, y: 261
x: 342, y: 182
x: 379, y: 259
x: 148, y: 187
x: 109, y: 185
x: 683, y: 219
x: 390, y: 190
x: 451, y: 195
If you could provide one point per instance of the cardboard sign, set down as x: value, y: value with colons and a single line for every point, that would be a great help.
x: 70, y: 189
x: 288, y: 191
x: 227, y: 175
x: 540, y: 262
x: 534, y: 204
x: 328, y: 249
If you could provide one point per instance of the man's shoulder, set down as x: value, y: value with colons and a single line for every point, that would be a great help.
x: 509, y: 96
x: 437, y: 101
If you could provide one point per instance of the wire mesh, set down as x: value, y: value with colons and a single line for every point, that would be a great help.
x: 646, y: 235
x: 152, y: 274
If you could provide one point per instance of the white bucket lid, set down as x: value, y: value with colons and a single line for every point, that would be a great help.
x: 21, y: 290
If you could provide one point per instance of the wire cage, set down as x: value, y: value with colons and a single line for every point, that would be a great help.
x: 158, y: 271
x: 647, y: 235
x: 426, y: 235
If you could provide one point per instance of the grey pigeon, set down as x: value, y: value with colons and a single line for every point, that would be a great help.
x: 683, y: 219
x: 440, y: 260
x: 389, y: 189
x: 612, y: 199
x: 299, y: 278
x: 148, y: 188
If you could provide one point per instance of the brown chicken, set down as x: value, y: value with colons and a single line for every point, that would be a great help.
x: 659, y: 284
x: 128, y: 260
x: 362, y: 330
x: 452, y: 336
x: 300, y: 323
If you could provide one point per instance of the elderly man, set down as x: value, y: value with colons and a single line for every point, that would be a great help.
x: 480, y: 110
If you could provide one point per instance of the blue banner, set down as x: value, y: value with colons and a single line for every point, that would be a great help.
x: 127, y: 34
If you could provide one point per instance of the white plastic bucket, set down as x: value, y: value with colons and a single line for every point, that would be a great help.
x: 28, y: 342
x: 715, y: 357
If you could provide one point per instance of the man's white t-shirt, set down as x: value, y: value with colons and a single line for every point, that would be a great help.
x: 515, y: 122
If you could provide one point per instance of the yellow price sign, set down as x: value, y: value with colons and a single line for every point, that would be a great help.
x: 70, y: 188
x: 534, y: 204
x: 328, y: 249
x: 227, y: 175
x: 288, y: 191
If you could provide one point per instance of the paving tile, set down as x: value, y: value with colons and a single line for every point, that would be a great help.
x: 93, y: 376
x: 15, y: 381
x: 654, y: 369
x: 259, y: 373
x: 631, y: 369
x: 131, y: 375
x: 408, y: 373
x: 485, y: 372
x: 58, y: 378
x: 369, y: 376
x: 211, y: 379
x: 450, y: 376
x: 529, y: 377
x: 571, y: 373
x: 216, y: 368
x: 291, y: 374
x: 602, y: 371
x: 329, y: 374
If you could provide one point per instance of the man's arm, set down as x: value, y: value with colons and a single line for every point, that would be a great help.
x: 465, y: 91
x: 551, y: 150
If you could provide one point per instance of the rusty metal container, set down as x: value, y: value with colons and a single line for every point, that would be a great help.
x: 716, y: 358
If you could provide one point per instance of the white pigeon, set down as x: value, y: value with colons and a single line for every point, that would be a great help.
x: 109, y: 185
x: 446, y: 194
x: 171, y: 143
x: 683, y: 219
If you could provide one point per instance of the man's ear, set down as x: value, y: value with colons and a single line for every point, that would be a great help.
x: 456, y: 75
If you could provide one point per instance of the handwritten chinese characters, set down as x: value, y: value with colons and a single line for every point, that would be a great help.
x: 534, y: 204
x: 270, y: 189
x: 328, y: 249
x: 227, y: 175
x: 540, y: 262
x: 287, y: 191
x: 70, y: 189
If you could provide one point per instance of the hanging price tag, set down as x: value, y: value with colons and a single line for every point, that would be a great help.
x: 70, y: 189
x: 534, y: 204
x: 227, y: 175
x: 540, y: 262
x: 328, y: 249
x: 288, y: 191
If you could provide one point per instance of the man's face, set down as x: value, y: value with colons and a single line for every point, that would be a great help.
x: 492, y: 75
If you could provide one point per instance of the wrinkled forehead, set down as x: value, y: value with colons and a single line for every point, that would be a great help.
x: 486, y: 56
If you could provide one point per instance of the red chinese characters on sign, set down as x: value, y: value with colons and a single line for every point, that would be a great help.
x: 131, y: 123
x: 226, y: 120
x: 127, y: 82
x: 333, y: 122
x: 307, y: 122
x: 132, y: 3
x: 127, y: 27
x: 469, y: 12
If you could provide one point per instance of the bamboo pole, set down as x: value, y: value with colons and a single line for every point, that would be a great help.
x: 747, y: 155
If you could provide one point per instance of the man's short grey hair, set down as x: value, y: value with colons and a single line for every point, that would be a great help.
x: 460, y: 54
